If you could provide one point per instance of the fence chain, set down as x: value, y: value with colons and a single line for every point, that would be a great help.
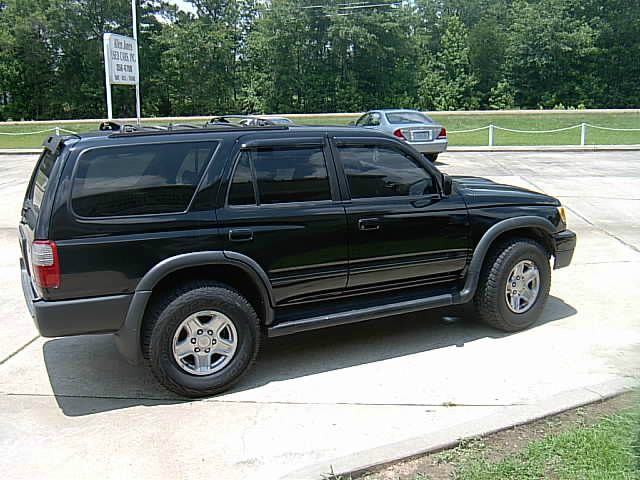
x: 56, y: 129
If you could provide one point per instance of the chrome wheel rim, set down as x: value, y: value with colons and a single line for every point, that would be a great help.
x: 205, y: 342
x: 523, y: 286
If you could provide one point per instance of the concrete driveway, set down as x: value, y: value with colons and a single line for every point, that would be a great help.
x: 71, y: 407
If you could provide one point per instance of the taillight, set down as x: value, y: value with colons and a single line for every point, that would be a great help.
x: 443, y: 133
x: 398, y: 133
x: 45, y: 264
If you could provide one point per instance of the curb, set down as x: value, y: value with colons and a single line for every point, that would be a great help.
x: 508, y: 417
x: 20, y: 151
x: 547, y: 148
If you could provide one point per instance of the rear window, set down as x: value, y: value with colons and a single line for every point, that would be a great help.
x: 400, y: 118
x: 291, y: 174
x: 139, y: 179
x: 41, y: 178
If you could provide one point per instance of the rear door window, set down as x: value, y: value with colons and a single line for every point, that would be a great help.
x: 139, y: 179
x: 291, y: 174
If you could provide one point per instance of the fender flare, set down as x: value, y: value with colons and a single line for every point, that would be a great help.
x: 128, y: 337
x: 480, y: 252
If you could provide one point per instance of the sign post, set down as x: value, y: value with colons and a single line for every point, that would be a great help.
x: 134, y: 18
x: 121, y: 66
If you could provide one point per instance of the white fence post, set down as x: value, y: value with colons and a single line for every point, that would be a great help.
x: 58, y: 131
x: 491, y: 135
x: 583, y: 134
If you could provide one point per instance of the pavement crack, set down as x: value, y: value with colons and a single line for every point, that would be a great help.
x: 602, y: 397
x: 11, y: 355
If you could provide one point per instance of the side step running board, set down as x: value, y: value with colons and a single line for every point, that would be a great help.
x: 360, y: 315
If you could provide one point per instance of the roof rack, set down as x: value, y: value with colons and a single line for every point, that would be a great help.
x: 209, y: 127
x: 241, y: 120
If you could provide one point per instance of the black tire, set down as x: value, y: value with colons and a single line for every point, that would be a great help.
x: 166, y: 316
x: 490, y: 302
x: 432, y: 157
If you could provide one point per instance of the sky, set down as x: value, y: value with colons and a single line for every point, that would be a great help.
x: 187, y: 7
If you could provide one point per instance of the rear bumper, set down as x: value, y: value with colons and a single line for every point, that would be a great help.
x: 565, y: 244
x: 74, y: 317
x: 435, y: 146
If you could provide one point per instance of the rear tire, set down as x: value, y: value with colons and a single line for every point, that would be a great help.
x: 432, y: 157
x: 197, y: 317
x: 515, y: 270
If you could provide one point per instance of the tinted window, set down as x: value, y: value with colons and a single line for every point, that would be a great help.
x: 139, y: 179
x: 241, y: 190
x: 291, y: 175
x: 376, y: 171
x: 398, y: 118
x: 41, y: 178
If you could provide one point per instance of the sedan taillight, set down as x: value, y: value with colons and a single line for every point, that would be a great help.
x: 398, y: 133
x: 46, y: 267
x: 443, y: 133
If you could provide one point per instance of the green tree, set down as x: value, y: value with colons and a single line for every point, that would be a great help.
x: 487, y: 43
x: 449, y: 82
x: 546, y: 54
x: 27, y: 58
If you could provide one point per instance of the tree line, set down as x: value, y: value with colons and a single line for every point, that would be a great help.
x: 241, y: 56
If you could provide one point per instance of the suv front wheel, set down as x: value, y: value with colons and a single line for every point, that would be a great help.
x: 201, y: 339
x: 514, y: 285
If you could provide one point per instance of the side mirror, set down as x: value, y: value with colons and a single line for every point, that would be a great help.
x: 447, y: 184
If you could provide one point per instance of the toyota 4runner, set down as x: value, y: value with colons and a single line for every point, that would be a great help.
x: 188, y: 243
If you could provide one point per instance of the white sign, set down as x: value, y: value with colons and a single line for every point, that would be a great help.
x: 121, y: 59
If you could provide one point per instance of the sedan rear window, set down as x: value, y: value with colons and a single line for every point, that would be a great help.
x: 139, y: 179
x: 403, y: 118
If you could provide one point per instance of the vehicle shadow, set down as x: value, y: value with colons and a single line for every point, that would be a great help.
x: 88, y: 375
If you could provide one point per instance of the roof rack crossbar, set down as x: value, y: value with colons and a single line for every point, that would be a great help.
x: 207, y: 128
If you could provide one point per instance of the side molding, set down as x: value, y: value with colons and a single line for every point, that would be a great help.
x: 479, y: 254
x: 128, y: 337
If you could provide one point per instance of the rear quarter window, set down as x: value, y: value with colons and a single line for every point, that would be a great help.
x: 139, y: 179
x: 41, y: 178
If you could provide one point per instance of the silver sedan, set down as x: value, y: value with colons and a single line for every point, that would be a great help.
x: 412, y: 126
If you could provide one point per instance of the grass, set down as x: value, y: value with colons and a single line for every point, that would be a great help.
x: 609, y: 449
x: 451, y: 122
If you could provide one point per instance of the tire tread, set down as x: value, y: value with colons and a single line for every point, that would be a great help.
x: 488, y: 293
x: 187, y: 290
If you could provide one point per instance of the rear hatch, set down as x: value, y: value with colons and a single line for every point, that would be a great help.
x: 36, y: 205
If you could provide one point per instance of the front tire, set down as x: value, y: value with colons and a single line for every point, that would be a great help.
x: 201, y: 339
x: 514, y: 285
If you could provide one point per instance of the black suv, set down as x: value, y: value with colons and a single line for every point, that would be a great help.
x: 188, y: 243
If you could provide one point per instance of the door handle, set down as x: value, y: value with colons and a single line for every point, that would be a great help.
x: 368, y: 224
x: 240, y: 235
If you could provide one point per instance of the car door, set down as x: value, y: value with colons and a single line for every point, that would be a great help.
x: 402, y: 230
x: 282, y: 211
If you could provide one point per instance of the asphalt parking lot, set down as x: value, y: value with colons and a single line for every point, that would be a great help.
x: 71, y: 407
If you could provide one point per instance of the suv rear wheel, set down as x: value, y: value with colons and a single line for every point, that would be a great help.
x: 201, y: 339
x: 514, y: 285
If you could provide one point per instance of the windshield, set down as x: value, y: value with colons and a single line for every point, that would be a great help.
x: 398, y: 118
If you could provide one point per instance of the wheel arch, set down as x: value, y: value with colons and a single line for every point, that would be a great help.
x: 536, y: 228
x: 237, y: 270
